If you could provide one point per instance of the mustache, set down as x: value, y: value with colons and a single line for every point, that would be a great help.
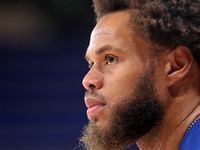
x: 93, y: 93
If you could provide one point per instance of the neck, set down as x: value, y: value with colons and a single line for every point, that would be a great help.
x: 170, y: 132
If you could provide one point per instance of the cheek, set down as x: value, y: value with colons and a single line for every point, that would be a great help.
x: 121, y: 80
x: 120, y: 85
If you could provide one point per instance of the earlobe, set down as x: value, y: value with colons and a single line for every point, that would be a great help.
x: 179, y: 64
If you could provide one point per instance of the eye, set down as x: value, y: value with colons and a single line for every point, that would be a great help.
x: 111, y: 59
x: 90, y: 65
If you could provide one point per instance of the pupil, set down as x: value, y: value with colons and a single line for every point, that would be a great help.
x: 111, y: 59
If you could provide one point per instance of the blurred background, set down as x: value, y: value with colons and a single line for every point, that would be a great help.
x: 42, y: 48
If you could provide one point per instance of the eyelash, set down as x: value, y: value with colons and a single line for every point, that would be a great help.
x: 107, y: 57
x: 90, y: 65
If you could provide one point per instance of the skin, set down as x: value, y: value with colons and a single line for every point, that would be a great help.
x: 117, y: 53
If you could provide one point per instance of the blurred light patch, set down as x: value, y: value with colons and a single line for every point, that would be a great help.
x: 41, y: 25
x: 23, y: 24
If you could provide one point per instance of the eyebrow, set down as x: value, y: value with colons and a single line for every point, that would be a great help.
x: 103, y: 49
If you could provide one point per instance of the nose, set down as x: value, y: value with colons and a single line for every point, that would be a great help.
x: 93, y: 80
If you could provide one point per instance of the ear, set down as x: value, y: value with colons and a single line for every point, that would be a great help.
x: 178, y: 65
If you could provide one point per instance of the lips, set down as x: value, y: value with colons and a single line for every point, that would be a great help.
x: 93, y: 105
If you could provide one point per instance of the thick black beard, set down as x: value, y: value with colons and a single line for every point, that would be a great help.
x: 132, y: 118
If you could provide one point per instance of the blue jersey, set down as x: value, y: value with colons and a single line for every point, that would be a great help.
x: 191, y: 140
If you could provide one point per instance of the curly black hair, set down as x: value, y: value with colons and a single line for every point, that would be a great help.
x: 169, y: 23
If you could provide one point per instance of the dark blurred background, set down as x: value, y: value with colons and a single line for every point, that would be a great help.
x: 42, y: 48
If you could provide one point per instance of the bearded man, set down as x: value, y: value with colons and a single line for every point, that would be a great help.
x: 143, y: 85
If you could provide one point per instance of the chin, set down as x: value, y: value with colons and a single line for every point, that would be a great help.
x: 100, y: 122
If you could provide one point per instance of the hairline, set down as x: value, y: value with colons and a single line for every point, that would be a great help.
x: 154, y: 51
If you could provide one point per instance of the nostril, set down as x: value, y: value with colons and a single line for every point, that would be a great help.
x: 92, y: 86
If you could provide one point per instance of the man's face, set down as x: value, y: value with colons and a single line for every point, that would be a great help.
x: 121, y: 96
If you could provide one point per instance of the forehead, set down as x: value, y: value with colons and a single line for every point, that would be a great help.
x: 115, y: 30
x: 112, y: 25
